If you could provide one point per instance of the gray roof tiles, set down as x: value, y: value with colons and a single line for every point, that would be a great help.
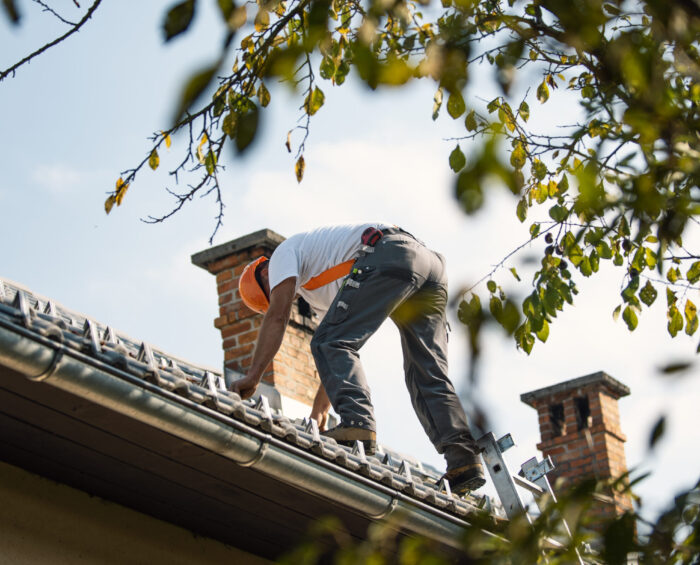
x: 206, y: 388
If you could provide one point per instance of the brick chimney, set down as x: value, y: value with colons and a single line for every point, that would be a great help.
x: 580, y: 430
x: 293, y: 372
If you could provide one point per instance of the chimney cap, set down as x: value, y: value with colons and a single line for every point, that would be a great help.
x: 615, y: 387
x: 261, y: 238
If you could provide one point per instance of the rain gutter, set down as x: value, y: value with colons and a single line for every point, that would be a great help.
x: 47, y: 360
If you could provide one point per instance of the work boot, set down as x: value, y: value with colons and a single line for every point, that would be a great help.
x: 466, y: 478
x: 345, y: 435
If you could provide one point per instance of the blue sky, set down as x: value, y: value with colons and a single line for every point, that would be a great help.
x: 81, y: 113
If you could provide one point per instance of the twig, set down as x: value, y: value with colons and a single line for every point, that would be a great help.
x: 49, y: 9
x: 56, y: 41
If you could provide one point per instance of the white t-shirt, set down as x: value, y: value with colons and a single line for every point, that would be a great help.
x: 306, y: 255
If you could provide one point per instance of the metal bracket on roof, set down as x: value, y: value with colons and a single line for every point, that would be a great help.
x: 405, y: 470
x: 534, y: 471
x: 264, y: 406
x: 444, y: 484
x: 50, y: 309
x: 213, y: 382
x: 108, y: 336
x: 3, y: 297
x: 505, y: 443
x: 311, y: 427
x: 37, y: 307
x: 90, y: 334
x: 358, y: 449
x: 22, y: 304
x: 387, y: 460
x: 146, y: 356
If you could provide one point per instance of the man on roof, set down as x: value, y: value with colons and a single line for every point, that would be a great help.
x: 354, y: 277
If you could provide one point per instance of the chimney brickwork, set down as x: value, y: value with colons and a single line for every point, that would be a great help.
x: 293, y: 370
x: 580, y: 430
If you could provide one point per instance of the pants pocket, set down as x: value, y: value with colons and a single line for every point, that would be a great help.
x: 346, y: 300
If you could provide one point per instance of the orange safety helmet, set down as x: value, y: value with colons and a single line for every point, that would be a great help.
x: 251, y: 290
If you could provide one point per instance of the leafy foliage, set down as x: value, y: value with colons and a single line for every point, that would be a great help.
x: 618, y: 181
x: 673, y: 538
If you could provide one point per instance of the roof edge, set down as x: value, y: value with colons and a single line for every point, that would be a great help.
x: 261, y: 238
x: 615, y: 387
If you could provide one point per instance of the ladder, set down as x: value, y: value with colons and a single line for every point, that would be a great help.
x: 532, y: 477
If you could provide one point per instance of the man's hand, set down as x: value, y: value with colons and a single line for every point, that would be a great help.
x: 245, y: 387
x: 320, y: 408
x: 321, y: 418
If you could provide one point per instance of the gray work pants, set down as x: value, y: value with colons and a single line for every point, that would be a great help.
x: 406, y: 281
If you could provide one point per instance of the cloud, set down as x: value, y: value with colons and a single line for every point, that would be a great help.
x: 58, y: 179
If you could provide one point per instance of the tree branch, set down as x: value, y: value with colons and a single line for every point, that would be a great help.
x: 4, y: 74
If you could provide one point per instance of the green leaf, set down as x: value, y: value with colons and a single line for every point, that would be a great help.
x: 496, y: 307
x: 670, y: 297
x: 585, y: 266
x: 469, y: 191
x: 524, y: 338
x: 491, y: 285
x: 673, y: 275
x: 515, y: 274
x: 470, y: 121
x: 563, y: 184
x: 314, y: 101
x: 539, y: 169
x: 510, y: 317
x: 543, y: 92
x: 535, y: 230
x: 194, y: 88
x: 521, y: 209
x: 153, y: 160
x: 457, y: 159
x: 210, y: 162
x: 178, y: 19
x: 543, y: 333
x: 228, y: 125
x: 616, y: 313
x: 558, y: 213
x: 630, y: 317
x: 263, y: 95
x: 327, y: 68
x: 693, y: 274
x: 518, y: 156
x: 524, y: 111
x: 691, y: 317
x: 247, y: 128
x: 657, y: 431
x: 675, y: 321
x: 648, y: 294
x: 455, y: 105
x: 226, y: 8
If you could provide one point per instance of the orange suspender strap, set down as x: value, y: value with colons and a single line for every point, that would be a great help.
x: 329, y: 275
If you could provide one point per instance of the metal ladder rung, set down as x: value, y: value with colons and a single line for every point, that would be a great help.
x: 528, y: 485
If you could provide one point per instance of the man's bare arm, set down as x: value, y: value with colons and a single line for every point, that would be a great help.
x: 270, y: 338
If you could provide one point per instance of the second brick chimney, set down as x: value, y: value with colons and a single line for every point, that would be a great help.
x: 293, y: 372
x: 580, y: 430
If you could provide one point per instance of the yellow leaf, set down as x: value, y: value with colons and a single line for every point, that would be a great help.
x: 109, y: 203
x: 120, y: 183
x: 121, y: 191
x: 299, y: 168
x: 262, y: 20
x: 154, y: 160
x: 166, y: 138
x: 200, y: 153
